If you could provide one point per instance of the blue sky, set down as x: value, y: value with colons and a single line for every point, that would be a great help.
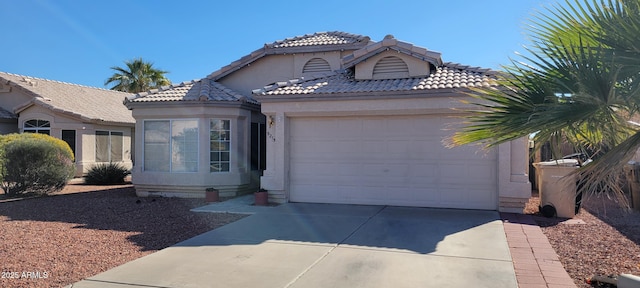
x: 77, y: 41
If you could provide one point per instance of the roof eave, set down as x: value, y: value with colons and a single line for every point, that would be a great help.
x: 217, y: 103
x: 444, y: 92
x: 22, y: 107
x: 112, y: 123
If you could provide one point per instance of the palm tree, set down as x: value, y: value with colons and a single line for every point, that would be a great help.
x: 138, y: 76
x: 581, y: 85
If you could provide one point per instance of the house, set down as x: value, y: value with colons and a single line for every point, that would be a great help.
x: 93, y: 121
x: 344, y: 120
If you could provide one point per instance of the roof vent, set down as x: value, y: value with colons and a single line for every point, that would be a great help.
x: 316, y: 65
x: 390, y: 67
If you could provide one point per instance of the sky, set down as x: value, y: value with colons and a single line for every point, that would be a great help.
x: 78, y: 41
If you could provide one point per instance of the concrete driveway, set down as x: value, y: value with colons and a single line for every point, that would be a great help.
x: 323, y: 245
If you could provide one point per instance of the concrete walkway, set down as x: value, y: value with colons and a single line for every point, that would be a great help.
x: 323, y: 245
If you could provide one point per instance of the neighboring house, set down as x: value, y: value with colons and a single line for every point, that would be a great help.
x: 93, y: 121
x: 362, y: 122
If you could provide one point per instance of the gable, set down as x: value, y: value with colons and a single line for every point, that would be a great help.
x: 392, y: 65
x: 320, y: 42
x: 391, y: 59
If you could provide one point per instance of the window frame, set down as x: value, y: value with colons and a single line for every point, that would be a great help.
x: 37, y: 128
x: 229, y: 141
x: 170, y: 145
x: 109, y: 147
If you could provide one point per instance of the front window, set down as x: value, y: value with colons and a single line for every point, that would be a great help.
x: 171, y: 145
x: 109, y: 146
x: 37, y: 126
x: 220, y: 137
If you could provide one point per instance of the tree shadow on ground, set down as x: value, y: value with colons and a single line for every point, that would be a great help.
x: 160, y: 222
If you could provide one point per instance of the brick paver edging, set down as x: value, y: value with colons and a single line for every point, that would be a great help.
x: 535, y: 262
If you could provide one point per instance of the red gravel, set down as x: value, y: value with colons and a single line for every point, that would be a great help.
x: 607, y: 244
x: 58, y: 240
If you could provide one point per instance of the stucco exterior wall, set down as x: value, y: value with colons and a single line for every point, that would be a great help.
x: 514, y: 189
x: 238, y: 180
x: 264, y: 71
x: 8, y: 126
x: 12, y: 97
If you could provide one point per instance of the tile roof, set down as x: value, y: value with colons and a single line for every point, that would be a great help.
x: 317, y: 42
x: 195, y: 90
x: 87, y: 103
x: 447, y: 76
x: 320, y: 38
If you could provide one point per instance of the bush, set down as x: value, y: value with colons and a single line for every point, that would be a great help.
x: 34, y: 163
x: 106, y: 174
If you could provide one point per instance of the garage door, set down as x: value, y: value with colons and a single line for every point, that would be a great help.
x: 388, y: 161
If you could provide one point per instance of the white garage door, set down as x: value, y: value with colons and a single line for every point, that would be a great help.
x: 388, y: 161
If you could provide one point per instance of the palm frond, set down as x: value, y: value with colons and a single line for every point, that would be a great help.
x: 138, y: 76
x: 580, y: 86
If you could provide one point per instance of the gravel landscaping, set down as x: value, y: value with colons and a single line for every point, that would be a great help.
x: 83, y: 230
x: 608, y: 243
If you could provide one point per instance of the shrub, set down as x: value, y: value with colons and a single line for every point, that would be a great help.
x: 34, y: 163
x: 105, y: 174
